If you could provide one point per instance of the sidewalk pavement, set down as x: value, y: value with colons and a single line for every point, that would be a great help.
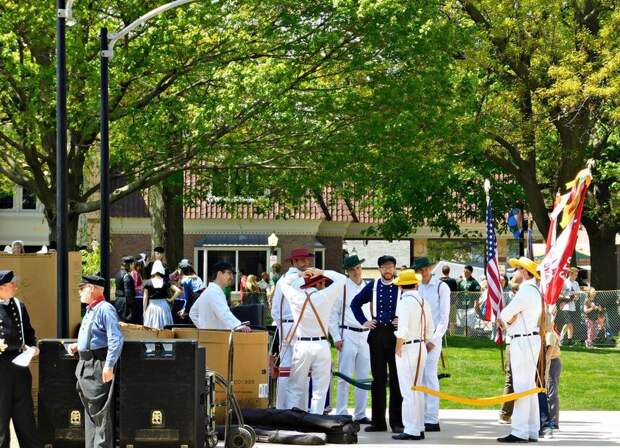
x: 474, y: 428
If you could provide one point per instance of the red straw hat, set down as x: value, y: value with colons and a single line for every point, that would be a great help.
x: 299, y: 253
x: 311, y: 281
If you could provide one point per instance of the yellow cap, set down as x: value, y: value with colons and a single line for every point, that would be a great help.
x: 408, y: 277
x: 525, y: 263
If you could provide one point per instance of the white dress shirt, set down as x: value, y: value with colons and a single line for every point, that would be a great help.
x: 526, y: 306
x: 323, y: 300
x: 211, y: 312
x: 437, y: 294
x: 335, y: 320
x: 277, y: 301
x: 409, y: 312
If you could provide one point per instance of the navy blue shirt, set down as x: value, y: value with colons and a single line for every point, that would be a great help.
x: 384, y: 310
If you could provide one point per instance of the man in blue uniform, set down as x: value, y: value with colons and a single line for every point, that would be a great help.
x: 16, y: 334
x: 99, y: 345
x: 383, y: 296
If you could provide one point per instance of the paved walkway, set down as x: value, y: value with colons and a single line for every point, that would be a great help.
x: 474, y: 428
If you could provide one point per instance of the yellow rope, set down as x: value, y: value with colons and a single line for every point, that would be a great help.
x: 479, y: 401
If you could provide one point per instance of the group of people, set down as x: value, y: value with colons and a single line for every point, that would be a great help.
x: 391, y: 327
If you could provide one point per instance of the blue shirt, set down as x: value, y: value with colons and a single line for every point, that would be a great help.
x: 105, y: 332
x: 190, y: 285
x: 385, y: 308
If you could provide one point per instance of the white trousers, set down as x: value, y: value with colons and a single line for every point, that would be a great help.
x: 524, y: 353
x: 286, y: 359
x: 430, y: 380
x: 353, y: 360
x: 308, y: 355
x: 413, y: 402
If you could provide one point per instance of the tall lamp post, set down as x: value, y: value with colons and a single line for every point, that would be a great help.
x: 63, y: 16
x: 107, y: 51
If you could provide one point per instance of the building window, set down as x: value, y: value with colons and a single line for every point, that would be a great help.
x: 29, y: 200
x: 319, y: 258
x: 6, y: 200
x: 246, y: 261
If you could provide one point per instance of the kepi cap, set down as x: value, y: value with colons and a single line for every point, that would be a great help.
x: 386, y: 259
x: 6, y: 277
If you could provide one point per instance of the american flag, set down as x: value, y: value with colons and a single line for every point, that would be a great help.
x: 495, y: 299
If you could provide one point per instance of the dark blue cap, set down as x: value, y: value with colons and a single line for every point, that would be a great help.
x: 6, y: 277
x: 93, y: 280
x: 386, y: 259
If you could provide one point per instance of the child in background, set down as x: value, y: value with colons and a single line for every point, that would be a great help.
x: 553, y: 369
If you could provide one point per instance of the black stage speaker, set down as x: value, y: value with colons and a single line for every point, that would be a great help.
x: 161, y: 386
x: 61, y: 413
x: 255, y: 314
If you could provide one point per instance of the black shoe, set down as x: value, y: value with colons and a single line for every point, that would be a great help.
x: 405, y: 436
x: 364, y: 421
x: 372, y: 428
x: 531, y: 439
x: 431, y: 427
x: 511, y: 439
x: 398, y: 429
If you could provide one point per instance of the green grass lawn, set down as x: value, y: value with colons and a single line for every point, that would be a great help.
x: 589, y: 379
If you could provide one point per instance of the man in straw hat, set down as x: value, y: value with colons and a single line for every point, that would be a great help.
x: 415, y: 328
x: 300, y: 259
x: 311, y: 309
x: 436, y: 294
x: 351, y: 340
x: 520, y: 319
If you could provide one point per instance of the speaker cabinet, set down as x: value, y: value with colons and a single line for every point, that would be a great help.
x: 61, y: 413
x: 161, y: 393
x: 256, y: 314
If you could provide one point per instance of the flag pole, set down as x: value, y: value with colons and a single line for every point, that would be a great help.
x: 487, y: 189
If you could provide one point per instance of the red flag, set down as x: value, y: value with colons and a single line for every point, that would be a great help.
x: 554, y: 267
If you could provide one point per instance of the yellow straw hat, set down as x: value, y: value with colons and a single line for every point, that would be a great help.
x: 408, y: 277
x: 525, y: 263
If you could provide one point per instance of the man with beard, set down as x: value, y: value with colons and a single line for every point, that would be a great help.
x: 300, y: 259
x: 99, y: 346
x: 210, y: 311
x: 383, y: 296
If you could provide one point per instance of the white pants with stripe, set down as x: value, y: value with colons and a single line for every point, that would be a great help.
x: 413, y: 402
x: 430, y: 380
x: 353, y: 361
x: 315, y: 356
x: 524, y: 353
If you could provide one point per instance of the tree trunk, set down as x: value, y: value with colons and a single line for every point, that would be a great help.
x: 72, y: 228
x: 604, y: 256
x: 165, y: 203
x: 173, y: 200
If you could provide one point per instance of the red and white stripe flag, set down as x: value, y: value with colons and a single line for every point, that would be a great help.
x: 495, y: 295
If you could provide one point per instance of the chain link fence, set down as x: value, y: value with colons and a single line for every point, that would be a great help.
x: 467, y: 312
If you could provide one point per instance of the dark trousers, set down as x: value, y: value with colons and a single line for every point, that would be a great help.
x: 553, y: 383
x: 508, y: 406
x: 16, y: 404
x: 382, y: 344
x: 98, y: 404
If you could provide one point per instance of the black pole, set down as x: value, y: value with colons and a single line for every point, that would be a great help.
x: 522, y: 238
x: 104, y: 190
x: 62, y: 264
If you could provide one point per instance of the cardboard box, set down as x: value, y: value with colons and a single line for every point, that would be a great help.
x: 133, y: 332
x: 36, y: 283
x: 250, y: 364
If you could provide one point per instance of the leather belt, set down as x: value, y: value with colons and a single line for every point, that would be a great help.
x: 534, y: 333
x: 99, y: 354
x: 317, y: 338
x: 288, y: 321
x: 415, y: 341
x: 359, y: 330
